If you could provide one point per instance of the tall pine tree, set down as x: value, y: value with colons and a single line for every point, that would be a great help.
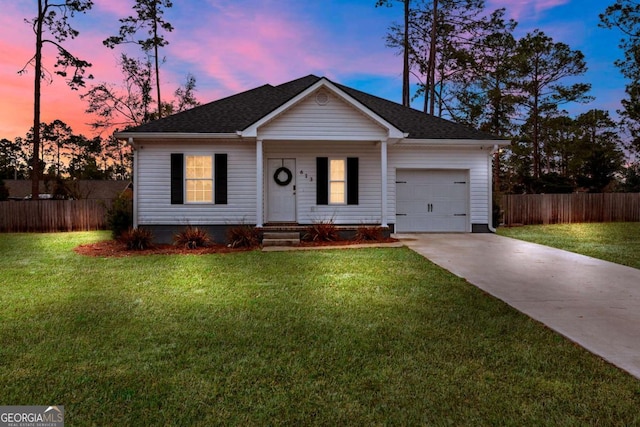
x: 625, y: 16
x: 53, y: 20
x: 542, y: 65
x: 149, y: 16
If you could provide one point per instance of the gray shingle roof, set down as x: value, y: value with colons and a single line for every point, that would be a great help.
x: 237, y: 112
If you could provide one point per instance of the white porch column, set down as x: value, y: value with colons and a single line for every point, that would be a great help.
x: 259, y: 183
x: 383, y: 170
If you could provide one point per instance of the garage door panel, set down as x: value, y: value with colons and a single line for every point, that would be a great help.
x: 440, y: 191
x: 415, y: 207
x: 432, y: 200
x: 458, y: 206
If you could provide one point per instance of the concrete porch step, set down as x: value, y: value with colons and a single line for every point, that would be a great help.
x: 282, y: 238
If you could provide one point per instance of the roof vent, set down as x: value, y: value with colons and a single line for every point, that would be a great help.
x: 322, y: 98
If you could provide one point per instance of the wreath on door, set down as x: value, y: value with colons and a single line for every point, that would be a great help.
x: 288, y: 178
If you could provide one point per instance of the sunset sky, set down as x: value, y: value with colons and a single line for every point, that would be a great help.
x: 234, y: 45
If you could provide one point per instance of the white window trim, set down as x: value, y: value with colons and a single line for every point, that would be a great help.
x: 213, y: 174
x: 344, y: 181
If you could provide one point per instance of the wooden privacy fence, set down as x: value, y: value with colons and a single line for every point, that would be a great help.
x: 53, y: 215
x: 528, y: 209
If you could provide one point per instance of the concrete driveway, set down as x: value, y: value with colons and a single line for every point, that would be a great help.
x: 592, y: 302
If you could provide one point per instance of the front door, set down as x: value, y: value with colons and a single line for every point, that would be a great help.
x: 281, y: 189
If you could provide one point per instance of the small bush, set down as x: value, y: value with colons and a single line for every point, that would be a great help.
x: 4, y: 191
x: 120, y: 216
x: 137, y: 239
x: 323, y: 231
x: 192, y: 238
x: 60, y: 190
x: 374, y: 233
x: 244, y: 236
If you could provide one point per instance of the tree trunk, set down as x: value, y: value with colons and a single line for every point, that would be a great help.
x: 536, y: 124
x: 496, y: 100
x: 58, y: 160
x: 431, y: 80
x: 536, y: 147
x: 427, y: 92
x: 155, y: 47
x: 405, y: 71
x: 35, y: 161
x: 440, y: 104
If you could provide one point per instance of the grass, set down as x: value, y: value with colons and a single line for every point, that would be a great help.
x: 341, y: 337
x: 616, y: 242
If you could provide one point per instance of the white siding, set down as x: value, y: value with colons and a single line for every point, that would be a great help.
x: 368, y: 209
x: 472, y: 159
x: 154, y: 186
x: 335, y: 120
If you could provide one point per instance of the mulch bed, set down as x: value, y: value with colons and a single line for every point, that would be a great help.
x: 113, y: 248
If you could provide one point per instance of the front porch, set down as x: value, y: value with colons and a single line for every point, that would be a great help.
x: 292, y: 234
x: 308, y: 181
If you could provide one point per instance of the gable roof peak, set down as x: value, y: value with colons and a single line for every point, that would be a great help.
x: 303, y: 87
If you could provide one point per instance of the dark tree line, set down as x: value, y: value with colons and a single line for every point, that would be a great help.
x: 468, y: 66
x: 64, y: 155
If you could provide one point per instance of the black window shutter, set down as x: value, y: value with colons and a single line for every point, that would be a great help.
x: 322, y: 180
x: 220, y: 179
x: 352, y: 180
x: 177, y: 178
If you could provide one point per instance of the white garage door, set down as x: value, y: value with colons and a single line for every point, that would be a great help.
x: 432, y: 200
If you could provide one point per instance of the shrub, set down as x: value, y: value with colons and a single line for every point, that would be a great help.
x: 120, y: 216
x: 137, y: 239
x: 370, y: 233
x: 243, y: 236
x: 60, y: 190
x: 322, y: 231
x: 192, y: 238
x: 4, y: 191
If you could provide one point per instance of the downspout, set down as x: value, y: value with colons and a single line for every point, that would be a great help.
x: 135, y: 182
x: 490, y: 172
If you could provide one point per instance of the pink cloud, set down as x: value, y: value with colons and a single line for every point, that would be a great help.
x: 58, y: 100
x: 522, y: 9
x: 119, y: 8
x: 266, y: 44
x: 15, y: 90
x: 273, y: 46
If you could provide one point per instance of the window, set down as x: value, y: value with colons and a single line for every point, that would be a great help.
x: 337, y: 181
x: 199, y: 179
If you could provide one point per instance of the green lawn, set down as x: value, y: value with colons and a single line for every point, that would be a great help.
x: 617, y: 242
x: 339, y: 337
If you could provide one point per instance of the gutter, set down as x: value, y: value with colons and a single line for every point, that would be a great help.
x: 456, y: 142
x: 174, y: 135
